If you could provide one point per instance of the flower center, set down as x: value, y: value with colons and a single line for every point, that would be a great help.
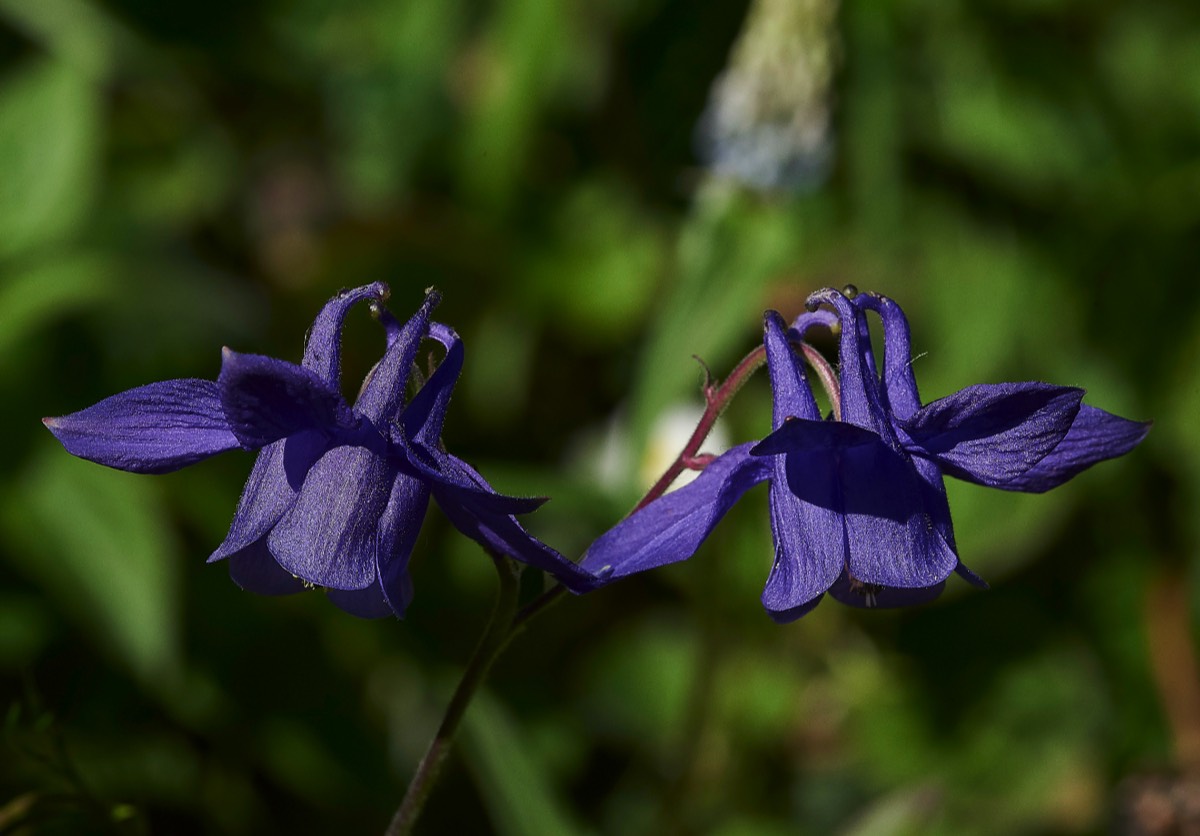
x: 868, y: 591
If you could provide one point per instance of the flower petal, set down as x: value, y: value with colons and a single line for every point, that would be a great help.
x: 809, y: 534
x: 893, y: 539
x: 322, y: 348
x: 672, y: 527
x: 267, y: 399
x: 861, y: 401
x: 812, y: 319
x: 270, y: 490
x: 847, y: 476
x: 382, y: 396
x: 425, y: 414
x: 470, y: 489
x: 900, y: 395
x: 398, y: 530
x: 329, y: 535
x: 803, y: 435
x: 899, y: 384
x: 990, y: 434
x: 501, y: 532
x: 418, y: 436
x: 892, y: 526
x: 1094, y: 436
x: 368, y: 602
x: 792, y: 396
x: 255, y: 570
x: 155, y: 428
x: 807, y: 527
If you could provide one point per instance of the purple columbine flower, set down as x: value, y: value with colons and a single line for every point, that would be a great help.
x: 858, y: 508
x: 338, y: 493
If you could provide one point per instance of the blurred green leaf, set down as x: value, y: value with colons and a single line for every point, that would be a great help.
x: 502, y: 352
x: 890, y: 731
x: 640, y: 678
x: 50, y: 136
x: 1010, y: 133
x: 76, y: 31
x: 25, y: 629
x: 97, y: 540
x: 1036, y: 749
x: 597, y: 275
x: 49, y: 289
x: 299, y: 758
x: 872, y: 142
x: 998, y: 532
x: 191, y: 179
x: 385, y: 82
x: 758, y: 696
x: 532, y: 55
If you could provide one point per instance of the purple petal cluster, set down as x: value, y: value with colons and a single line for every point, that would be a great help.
x: 338, y: 491
x: 858, y: 505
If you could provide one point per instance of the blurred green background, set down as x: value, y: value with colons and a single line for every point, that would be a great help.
x: 601, y: 190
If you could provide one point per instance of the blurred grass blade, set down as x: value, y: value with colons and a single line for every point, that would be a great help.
x: 515, y: 787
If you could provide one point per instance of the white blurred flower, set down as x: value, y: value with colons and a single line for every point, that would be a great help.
x: 769, y: 113
x: 670, y: 432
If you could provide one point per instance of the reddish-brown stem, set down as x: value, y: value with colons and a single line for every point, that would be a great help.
x: 717, y: 398
x: 826, y: 375
x: 698, y: 461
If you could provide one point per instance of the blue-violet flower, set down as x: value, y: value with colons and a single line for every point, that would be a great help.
x: 858, y: 506
x: 338, y: 493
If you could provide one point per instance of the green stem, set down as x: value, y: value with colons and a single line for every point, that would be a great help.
x: 494, y: 639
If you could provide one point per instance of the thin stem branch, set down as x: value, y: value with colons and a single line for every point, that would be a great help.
x: 717, y: 398
x: 827, y: 376
x: 494, y: 639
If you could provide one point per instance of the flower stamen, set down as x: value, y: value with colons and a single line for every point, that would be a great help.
x: 868, y: 591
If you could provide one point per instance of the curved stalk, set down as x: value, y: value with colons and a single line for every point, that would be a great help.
x: 494, y: 638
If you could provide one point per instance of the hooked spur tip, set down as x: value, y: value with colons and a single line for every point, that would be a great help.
x: 820, y: 297
x: 433, y: 297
